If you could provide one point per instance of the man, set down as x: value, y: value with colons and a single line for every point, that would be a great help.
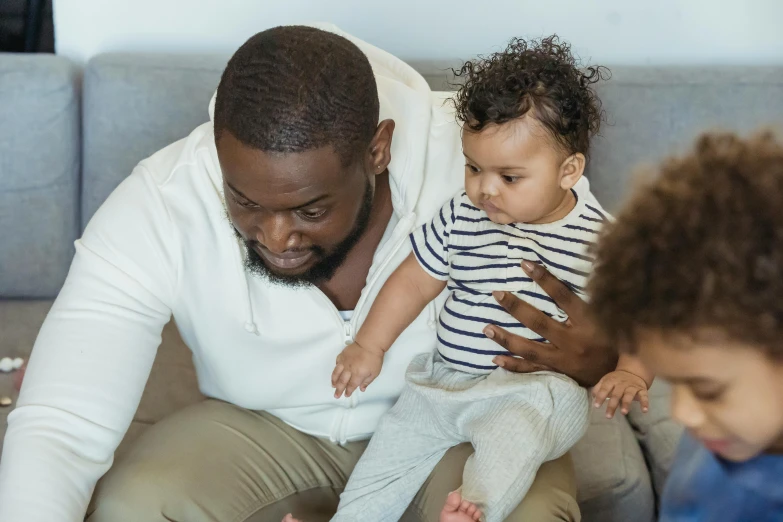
x: 266, y: 234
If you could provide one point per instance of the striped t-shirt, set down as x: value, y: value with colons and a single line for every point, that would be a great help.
x: 476, y: 256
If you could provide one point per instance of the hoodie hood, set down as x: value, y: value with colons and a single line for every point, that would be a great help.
x: 405, y: 97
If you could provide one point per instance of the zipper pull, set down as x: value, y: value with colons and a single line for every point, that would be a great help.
x: 347, y: 333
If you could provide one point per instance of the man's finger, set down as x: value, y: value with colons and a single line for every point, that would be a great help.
x: 571, y: 303
x: 530, y: 316
x: 517, y: 365
x: 531, y: 351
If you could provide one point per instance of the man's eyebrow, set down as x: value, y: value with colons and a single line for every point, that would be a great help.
x: 303, y: 205
x: 239, y: 193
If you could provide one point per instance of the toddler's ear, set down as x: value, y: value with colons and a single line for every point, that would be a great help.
x: 571, y: 170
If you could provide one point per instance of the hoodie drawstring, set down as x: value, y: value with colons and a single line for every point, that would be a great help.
x: 250, y: 324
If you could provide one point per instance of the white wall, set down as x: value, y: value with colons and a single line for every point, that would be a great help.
x: 611, y: 32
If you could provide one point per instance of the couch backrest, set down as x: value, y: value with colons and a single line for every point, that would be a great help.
x: 135, y: 104
x: 39, y: 173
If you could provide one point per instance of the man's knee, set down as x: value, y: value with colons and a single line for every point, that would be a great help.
x: 133, y: 495
x: 552, y: 496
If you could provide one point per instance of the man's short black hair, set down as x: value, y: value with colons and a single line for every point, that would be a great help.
x: 297, y: 88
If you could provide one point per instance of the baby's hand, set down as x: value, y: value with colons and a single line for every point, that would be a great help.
x: 620, y: 386
x: 356, y: 367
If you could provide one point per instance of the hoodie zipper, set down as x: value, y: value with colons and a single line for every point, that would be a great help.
x: 349, y: 327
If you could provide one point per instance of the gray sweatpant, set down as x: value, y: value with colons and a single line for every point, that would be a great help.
x: 515, y: 422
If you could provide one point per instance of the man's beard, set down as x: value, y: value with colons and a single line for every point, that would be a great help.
x: 327, y: 264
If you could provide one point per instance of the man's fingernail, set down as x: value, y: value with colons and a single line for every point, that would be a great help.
x: 528, y: 267
x: 498, y: 295
x: 489, y: 333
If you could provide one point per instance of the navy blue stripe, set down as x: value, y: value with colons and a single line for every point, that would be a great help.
x: 564, y: 252
x: 555, y: 236
x: 453, y: 214
x: 460, y: 363
x: 421, y: 259
x: 465, y: 289
x: 484, y: 320
x: 429, y: 247
x: 471, y: 220
x: 472, y: 350
x: 469, y: 207
x: 435, y: 233
x: 474, y: 247
x: 488, y: 266
x: 442, y: 219
x: 493, y: 280
x: 581, y: 229
x: 476, y: 254
x: 549, y: 262
x: 588, y: 218
x: 486, y: 305
x: 460, y: 332
x: 603, y: 217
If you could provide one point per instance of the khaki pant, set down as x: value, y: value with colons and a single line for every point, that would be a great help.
x: 215, y: 462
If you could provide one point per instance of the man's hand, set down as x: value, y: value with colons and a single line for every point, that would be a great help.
x: 620, y: 386
x: 356, y: 367
x: 575, y: 347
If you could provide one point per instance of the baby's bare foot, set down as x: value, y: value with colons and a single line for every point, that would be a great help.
x: 290, y: 518
x: 458, y: 509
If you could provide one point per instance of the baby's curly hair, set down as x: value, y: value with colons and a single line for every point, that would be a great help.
x: 698, y: 249
x: 541, y: 76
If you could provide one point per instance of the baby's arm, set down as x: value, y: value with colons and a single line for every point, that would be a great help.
x: 628, y: 382
x: 404, y: 295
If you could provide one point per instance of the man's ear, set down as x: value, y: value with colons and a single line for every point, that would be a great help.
x: 380, y: 148
x: 571, y: 170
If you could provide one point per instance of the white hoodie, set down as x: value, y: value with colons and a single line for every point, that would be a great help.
x: 161, y: 245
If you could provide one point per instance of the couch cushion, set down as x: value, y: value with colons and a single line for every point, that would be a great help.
x: 172, y: 383
x: 658, y: 434
x: 39, y: 173
x: 613, y: 482
x: 135, y: 105
x: 653, y: 112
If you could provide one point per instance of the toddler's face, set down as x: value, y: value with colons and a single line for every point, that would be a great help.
x: 515, y: 173
x: 727, y: 395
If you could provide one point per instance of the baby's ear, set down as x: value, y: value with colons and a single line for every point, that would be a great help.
x: 571, y: 170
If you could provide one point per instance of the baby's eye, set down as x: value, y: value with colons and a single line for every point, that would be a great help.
x: 472, y: 168
x: 511, y: 179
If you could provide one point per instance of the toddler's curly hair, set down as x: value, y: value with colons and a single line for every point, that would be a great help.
x: 699, y: 249
x: 540, y: 77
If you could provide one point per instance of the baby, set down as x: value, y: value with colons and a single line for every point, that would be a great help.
x: 528, y: 114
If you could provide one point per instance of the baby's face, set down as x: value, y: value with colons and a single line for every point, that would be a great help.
x: 729, y: 396
x: 515, y: 173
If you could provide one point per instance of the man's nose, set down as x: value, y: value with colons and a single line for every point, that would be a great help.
x: 276, y: 232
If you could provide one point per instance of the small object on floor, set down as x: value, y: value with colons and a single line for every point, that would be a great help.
x: 6, y: 364
x: 5, y: 402
x: 18, y: 363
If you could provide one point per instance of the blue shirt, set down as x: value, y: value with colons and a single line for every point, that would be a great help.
x: 703, y: 487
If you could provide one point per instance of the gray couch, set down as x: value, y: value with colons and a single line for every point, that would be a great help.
x: 67, y: 139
